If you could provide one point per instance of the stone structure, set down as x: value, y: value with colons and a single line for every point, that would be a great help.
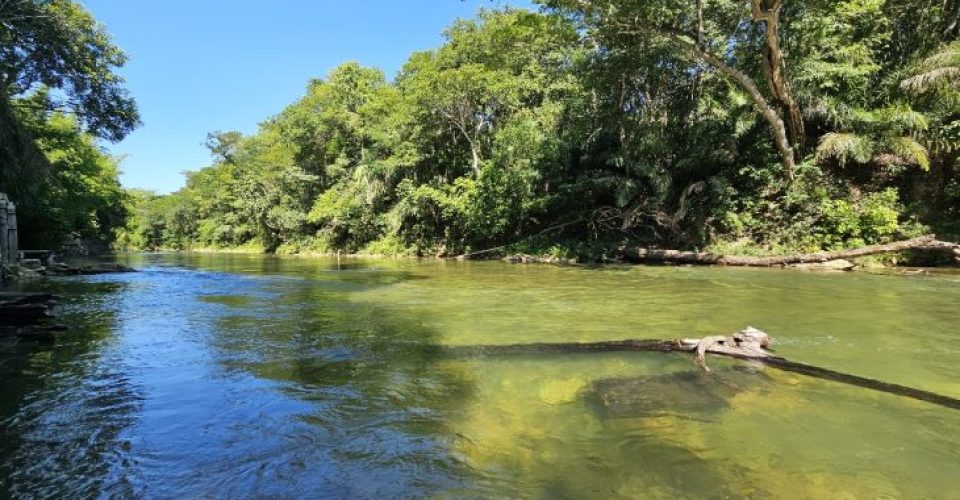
x: 9, y: 252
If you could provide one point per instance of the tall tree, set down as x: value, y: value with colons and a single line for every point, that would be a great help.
x: 58, y: 44
x: 708, y: 31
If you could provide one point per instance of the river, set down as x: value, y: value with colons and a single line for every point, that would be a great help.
x: 257, y: 376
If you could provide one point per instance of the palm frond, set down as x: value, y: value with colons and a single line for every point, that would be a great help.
x: 939, y: 70
x: 911, y: 150
x: 949, y: 55
x: 844, y: 146
x: 901, y: 119
x: 932, y: 79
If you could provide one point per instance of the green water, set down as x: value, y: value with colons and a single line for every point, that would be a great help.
x: 238, y: 376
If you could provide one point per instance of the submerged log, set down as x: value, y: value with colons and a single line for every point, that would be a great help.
x: 748, y: 344
x: 864, y: 382
x: 923, y: 243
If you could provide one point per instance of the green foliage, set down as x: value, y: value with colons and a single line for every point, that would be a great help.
x: 815, y: 213
x: 871, y: 220
x: 59, y: 93
x: 938, y: 73
x: 74, y: 189
x: 883, y: 136
x: 58, y: 44
x: 157, y: 222
x: 595, y: 124
x: 345, y: 220
x: 388, y: 245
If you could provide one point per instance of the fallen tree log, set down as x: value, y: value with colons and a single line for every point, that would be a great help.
x: 923, y: 243
x: 749, y: 344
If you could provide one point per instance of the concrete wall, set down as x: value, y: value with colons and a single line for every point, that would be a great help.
x: 9, y: 251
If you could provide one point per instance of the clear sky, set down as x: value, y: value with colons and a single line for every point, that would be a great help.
x: 198, y: 66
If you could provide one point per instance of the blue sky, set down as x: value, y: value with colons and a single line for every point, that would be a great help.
x: 198, y: 66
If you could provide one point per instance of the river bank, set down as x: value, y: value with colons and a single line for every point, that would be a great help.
x: 925, y: 251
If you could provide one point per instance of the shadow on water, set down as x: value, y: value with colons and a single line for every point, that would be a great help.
x: 258, y: 382
x: 352, y: 273
x: 375, y: 400
x: 381, y: 396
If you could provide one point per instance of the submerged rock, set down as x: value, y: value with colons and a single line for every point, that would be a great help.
x: 830, y: 265
x: 538, y: 259
x: 27, y: 316
x: 60, y: 269
x: 682, y: 394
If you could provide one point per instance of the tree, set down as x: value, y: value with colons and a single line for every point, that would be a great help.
x: 79, y: 193
x: 938, y: 72
x: 469, y: 101
x: 59, y: 45
x: 710, y: 34
x: 598, y: 123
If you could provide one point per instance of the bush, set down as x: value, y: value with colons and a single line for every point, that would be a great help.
x: 847, y: 223
x: 389, y: 245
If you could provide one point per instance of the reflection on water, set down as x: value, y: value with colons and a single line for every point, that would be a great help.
x: 233, y: 375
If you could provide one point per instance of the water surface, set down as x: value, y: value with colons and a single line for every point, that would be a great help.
x: 238, y: 376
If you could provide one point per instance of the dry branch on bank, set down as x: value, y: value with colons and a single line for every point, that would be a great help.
x: 923, y: 243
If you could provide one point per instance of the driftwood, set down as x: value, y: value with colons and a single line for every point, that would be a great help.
x: 748, y: 344
x: 923, y: 243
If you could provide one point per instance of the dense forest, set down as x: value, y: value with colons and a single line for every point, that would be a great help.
x: 59, y: 96
x: 762, y: 126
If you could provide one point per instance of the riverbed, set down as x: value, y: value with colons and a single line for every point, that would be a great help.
x: 259, y: 376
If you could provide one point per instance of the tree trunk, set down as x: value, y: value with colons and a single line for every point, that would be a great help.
x: 777, y: 129
x: 683, y: 257
x: 476, y: 159
x: 773, y: 66
x: 951, y: 14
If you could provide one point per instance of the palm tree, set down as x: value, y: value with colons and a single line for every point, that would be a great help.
x: 882, y: 136
x: 939, y: 72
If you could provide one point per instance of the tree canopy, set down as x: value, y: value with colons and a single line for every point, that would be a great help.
x: 59, y: 93
x: 765, y: 125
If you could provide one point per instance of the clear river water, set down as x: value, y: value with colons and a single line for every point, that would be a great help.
x: 226, y: 376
